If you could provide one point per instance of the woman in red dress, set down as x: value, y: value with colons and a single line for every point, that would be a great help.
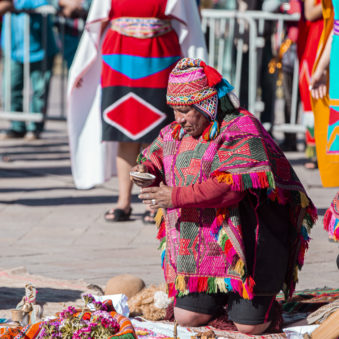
x: 134, y: 45
x: 310, y: 29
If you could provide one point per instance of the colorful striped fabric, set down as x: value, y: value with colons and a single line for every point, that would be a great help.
x: 142, y: 28
x: 336, y: 27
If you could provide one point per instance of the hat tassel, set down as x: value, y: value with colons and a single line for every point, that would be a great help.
x: 211, y: 131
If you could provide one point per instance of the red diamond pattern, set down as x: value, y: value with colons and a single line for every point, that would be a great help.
x: 142, y: 117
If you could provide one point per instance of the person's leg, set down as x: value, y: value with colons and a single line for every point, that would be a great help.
x: 126, y: 159
x: 17, y: 84
x: 251, y: 316
x: 244, y: 80
x: 197, y: 309
x: 191, y: 319
x: 41, y: 74
x: 252, y: 329
x: 290, y: 142
x: 268, y: 85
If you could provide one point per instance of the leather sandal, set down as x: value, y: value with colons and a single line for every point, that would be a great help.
x: 148, y: 217
x: 117, y: 214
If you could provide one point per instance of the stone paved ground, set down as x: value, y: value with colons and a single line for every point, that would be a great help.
x: 56, y: 231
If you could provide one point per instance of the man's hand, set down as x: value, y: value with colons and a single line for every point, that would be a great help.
x: 78, y: 83
x: 140, y: 181
x: 157, y: 197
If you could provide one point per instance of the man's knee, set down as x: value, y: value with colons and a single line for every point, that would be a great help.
x: 190, y: 319
x: 252, y: 329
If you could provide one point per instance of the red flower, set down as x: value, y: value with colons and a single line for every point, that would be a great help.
x: 86, y: 316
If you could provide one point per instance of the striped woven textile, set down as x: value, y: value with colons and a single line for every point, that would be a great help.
x: 142, y: 28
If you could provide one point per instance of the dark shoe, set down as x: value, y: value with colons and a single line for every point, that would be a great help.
x: 31, y: 136
x: 117, y: 215
x: 11, y: 134
x: 148, y: 217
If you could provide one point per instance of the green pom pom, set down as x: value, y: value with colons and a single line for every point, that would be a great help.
x: 226, y: 105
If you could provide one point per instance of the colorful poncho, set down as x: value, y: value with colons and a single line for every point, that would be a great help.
x: 331, y: 219
x: 203, y: 249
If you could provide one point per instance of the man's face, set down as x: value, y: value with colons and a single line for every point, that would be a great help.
x: 192, y: 121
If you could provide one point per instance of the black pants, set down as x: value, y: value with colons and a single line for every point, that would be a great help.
x: 239, y: 310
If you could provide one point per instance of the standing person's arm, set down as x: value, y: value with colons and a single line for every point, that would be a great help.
x: 319, y: 77
x: 312, y: 11
x: 6, y: 6
x: 103, y: 28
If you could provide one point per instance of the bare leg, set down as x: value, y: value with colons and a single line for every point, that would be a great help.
x: 126, y: 159
x: 190, y: 319
x: 253, y: 329
x: 193, y: 319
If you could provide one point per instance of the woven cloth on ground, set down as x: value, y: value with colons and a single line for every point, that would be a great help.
x: 244, y: 156
x: 323, y: 312
x: 303, y: 303
x: 149, y: 330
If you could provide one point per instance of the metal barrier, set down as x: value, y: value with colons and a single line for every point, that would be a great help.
x: 220, y: 27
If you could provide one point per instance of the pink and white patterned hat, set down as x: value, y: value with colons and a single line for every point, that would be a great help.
x: 189, y: 84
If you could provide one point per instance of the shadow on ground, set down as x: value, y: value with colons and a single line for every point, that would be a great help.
x: 44, y: 145
x: 10, y: 297
x: 58, y: 201
x: 38, y: 189
x: 34, y: 172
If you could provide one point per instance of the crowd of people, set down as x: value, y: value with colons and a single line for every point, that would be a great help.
x: 233, y: 217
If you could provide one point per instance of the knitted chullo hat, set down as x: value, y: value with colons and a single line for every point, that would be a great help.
x: 192, y: 82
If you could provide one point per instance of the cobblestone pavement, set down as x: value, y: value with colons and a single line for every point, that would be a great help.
x: 57, y: 231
